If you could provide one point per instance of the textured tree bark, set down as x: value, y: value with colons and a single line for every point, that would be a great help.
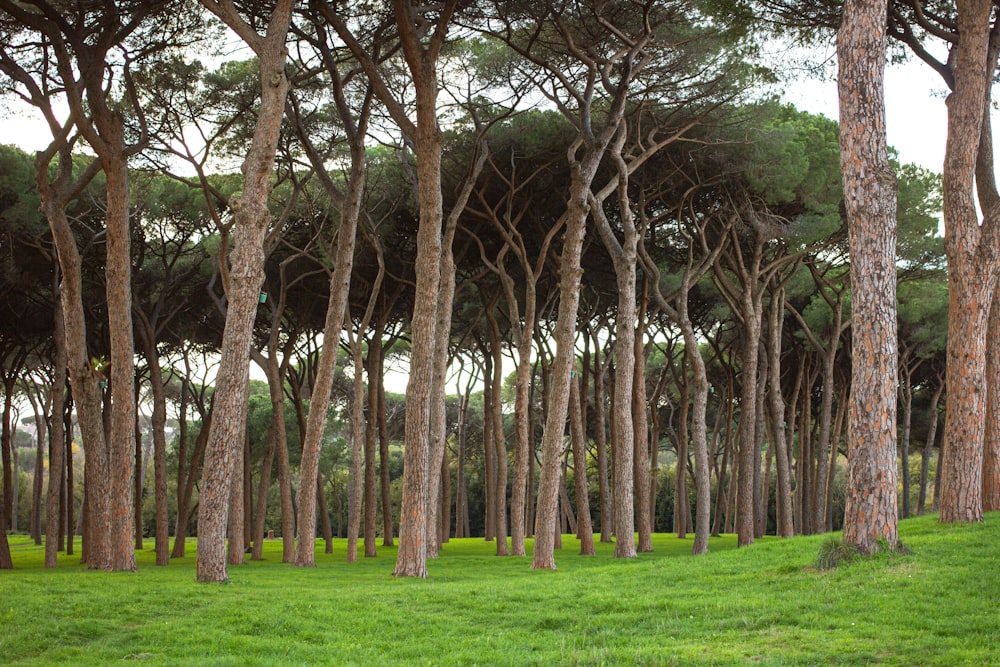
x: 251, y: 220
x: 340, y: 282
x: 564, y: 333
x: 438, y: 416
x: 83, y: 378
x: 118, y: 272
x: 971, y: 251
x: 870, y: 196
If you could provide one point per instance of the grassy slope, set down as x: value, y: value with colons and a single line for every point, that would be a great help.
x: 764, y: 604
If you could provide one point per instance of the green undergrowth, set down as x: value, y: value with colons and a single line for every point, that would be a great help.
x: 768, y: 604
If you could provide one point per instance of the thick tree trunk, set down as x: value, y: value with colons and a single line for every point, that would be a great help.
x: 83, y: 376
x: 971, y: 252
x: 564, y: 333
x: 251, y: 220
x: 748, y: 464
x: 118, y: 272
x: 870, y: 197
x: 411, y: 560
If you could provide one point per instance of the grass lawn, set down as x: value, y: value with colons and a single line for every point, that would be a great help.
x: 763, y: 605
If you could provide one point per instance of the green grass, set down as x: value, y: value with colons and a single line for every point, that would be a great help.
x: 765, y: 605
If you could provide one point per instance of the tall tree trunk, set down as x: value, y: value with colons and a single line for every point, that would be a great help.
x: 159, y: 423
x: 371, y: 436
x: 54, y: 516
x: 584, y: 530
x: 438, y: 417
x: 340, y: 282
x: 748, y: 464
x: 251, y: 220
x: 355, y: 483
x: 6, y: 445
x: 83, y: 376
x: 383, y: 458
x: 564, y: 333
x: 601, y: 444
x: 499, y: 440
x: 40, y: 408
x: 971, y: 250
x: 783, y: 489
x: 870, y: 196
x: 118, y: 271
x: 640, y: 457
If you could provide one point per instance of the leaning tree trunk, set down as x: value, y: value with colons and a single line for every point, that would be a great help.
x: 870, y: 197
x: 564, y: 333
x: 251, y: 220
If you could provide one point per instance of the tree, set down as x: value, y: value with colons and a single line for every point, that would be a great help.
x: 870, y: 197
x: 251, y: 219
x: 422, y: 32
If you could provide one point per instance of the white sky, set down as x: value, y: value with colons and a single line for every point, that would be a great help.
x: 916, y: 118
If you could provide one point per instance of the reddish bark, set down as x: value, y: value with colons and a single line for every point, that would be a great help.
x: 870, y: 197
